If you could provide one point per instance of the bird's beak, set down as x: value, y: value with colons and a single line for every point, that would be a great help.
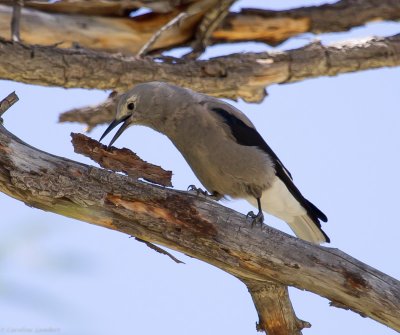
x: 120, y: 130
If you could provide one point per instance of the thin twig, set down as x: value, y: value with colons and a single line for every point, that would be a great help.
x: 158, y: 33
x: 209, y: 23
x: 159, y: 250
x: 15, y: 20
x: 7, y: 102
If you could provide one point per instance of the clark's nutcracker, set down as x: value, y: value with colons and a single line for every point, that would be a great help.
x: 224, y: 150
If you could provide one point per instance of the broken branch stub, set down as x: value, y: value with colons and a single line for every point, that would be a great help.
x: 120, y: 160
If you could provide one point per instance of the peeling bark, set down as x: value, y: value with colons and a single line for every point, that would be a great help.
x: 199, y: 228
x: 120, y: 160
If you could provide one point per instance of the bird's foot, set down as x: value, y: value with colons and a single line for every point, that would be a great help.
x: 198, y: 190
x: 257, y: 219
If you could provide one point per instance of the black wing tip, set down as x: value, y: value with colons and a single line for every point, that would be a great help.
x: 316, y: 212
x: 327, y: 239
x: 316, y: 215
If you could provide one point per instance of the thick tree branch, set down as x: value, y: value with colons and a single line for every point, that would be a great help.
x: 235, y: 76
x: 131, y: 34
x: 262, y: 70
x: 275, y: 27
x: 195, y: 226
x: 105, y: 7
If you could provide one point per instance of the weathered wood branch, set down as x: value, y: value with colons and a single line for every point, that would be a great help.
x: 131, y: 34
x: 253, y: 72
x: 275, y: 27
x: 104, y: 7
x: 7, y: 102
x: 195, y: 226
x: 93, y: 115
x: 273, y: 306
x: 16, y: 20
x: 235, y: 76
x: 120, y: 160
x: 208, y: 24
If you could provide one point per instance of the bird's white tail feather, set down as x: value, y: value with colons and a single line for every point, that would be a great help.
x: 306, y: 229
x: 278, y: 201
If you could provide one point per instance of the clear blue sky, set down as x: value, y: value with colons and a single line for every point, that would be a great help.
x: 338, y: 136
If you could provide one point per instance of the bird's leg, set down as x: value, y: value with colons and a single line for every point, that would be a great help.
x: 257, y: 218
x: 198, y: 190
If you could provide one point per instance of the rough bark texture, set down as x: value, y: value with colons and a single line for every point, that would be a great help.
x: 120, y: 160
x: 104, y: 7
x: 273, y: 305
x: 195, y: 226
x: 236, y: 76
x: 131, y: 34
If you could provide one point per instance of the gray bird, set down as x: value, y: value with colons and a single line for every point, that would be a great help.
x: 224, y: 150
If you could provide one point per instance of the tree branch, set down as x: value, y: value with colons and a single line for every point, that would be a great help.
x: 195, y: 226
x: 209, y: 23
x: 7, y: 102
x: 16, y: 20
x: 275, y: 27
x: 159, y: 33
x: 253, y: 72
x: 93, y: 115
x: 105, y: 7
x: 235, y: 76
x: 120, y: 160
x: 275, y: 311
x: 131, y: 34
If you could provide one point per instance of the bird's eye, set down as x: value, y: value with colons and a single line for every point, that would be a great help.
x: 131, y: 106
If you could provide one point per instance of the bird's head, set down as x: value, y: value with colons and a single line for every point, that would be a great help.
x: 140, y: 105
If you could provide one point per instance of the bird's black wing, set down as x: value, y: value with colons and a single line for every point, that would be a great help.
x: 249, y: 136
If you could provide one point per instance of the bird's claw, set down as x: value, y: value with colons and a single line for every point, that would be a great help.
x: 257, y: 219
x: 214, y: 196
x: 198, y: 190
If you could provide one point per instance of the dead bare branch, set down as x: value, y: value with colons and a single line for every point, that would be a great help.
x: 209, y: 22
x: 275, y: 311
x: 7, y: 102
x: 120, y: 160
x: 15, y: 20
x: 160, y: 250
x: 105, y: 7
x: 235, y: 76
x: 158, y: 34
x: 129, y: 35
x: 93, y: 115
